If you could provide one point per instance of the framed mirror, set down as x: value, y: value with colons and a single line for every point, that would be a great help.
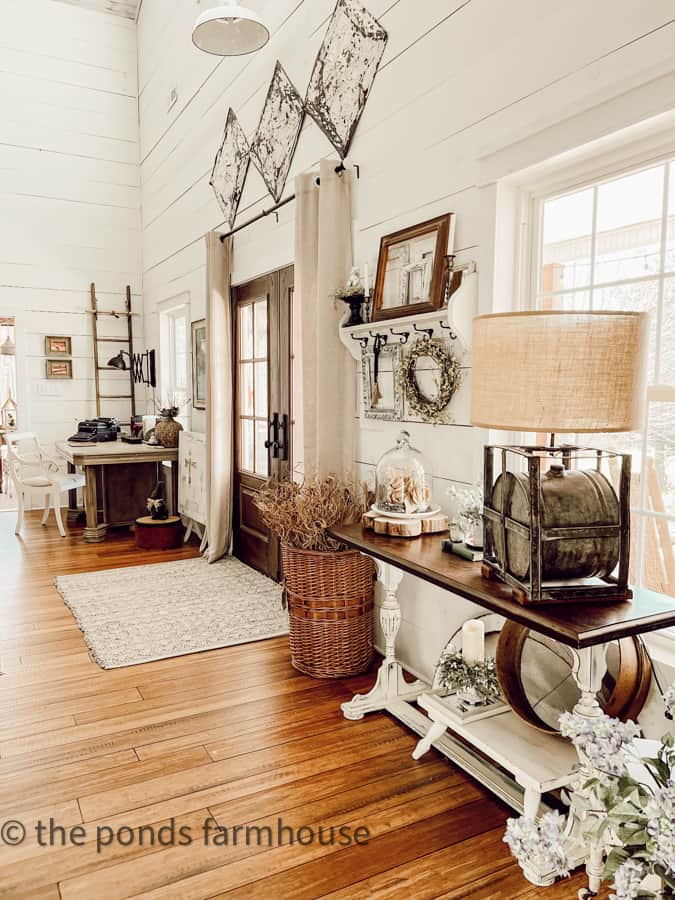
x: 387, y: 402
x: 411, y: 269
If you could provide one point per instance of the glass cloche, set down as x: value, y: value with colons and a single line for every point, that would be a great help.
x: 402, y: 487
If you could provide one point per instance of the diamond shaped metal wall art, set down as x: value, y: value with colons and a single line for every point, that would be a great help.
x: 273, y: 146
x: 230, y: 168
x: 344, y: 72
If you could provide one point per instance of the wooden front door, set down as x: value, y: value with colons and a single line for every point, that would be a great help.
x: 262, y: 426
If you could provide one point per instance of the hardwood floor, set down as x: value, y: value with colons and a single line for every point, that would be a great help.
x: 233, y: 737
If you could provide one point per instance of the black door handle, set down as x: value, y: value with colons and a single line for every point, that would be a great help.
x: 279, y: 447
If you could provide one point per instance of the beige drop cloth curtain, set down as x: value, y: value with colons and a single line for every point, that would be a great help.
x: 323, y: 259
x: 219, y: 396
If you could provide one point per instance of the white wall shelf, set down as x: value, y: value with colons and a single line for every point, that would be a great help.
x: 456, y: 317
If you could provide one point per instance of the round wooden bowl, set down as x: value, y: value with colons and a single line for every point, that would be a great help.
x: 535, y: 671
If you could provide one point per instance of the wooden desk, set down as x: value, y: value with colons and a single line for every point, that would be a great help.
x: 512, y: 759
x: 114, y: 494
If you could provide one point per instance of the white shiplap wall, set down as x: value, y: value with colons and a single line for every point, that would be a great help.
x: 458, y: 81
x: 70, y: 194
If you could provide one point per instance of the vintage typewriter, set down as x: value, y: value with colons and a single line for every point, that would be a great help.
x: 96, y: 431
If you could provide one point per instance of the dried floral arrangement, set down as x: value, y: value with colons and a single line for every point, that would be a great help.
x: 355, y: 286
x: 634, y: 820
x: 450, y: 377
x: 301, y: 514
x: 455, y: 674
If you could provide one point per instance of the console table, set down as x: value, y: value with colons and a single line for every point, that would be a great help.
x: 512, y: 759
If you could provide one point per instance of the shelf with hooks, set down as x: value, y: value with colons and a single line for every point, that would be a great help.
x: 450, y: 322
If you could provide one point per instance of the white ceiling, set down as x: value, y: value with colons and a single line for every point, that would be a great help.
x: 128, y: 9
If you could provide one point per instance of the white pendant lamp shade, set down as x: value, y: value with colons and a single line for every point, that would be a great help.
x: 229, y: 30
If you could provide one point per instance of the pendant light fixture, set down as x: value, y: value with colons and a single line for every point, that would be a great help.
x: 229, y: 30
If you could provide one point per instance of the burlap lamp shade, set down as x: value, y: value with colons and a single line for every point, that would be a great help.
x: 559, y: 371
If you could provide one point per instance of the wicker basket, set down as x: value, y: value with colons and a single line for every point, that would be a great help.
x: 330, y: 607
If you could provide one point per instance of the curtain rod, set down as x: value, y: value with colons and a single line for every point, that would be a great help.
x: 268, y: 212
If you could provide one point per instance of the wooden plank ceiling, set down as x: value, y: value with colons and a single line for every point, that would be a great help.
x: 128, y: 9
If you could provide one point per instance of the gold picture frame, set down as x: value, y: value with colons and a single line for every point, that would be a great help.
x: 59, y: 368
x: 56, y: 345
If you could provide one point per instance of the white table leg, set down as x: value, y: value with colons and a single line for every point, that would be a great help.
x: 436, y: 730
x: 589, y: 668
x: 390, y: 683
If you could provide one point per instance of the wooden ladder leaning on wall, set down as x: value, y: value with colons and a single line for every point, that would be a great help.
x: 129, y: 341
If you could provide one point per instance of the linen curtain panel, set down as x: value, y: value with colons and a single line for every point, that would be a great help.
x: 323, y: 259
x: 219, y: 396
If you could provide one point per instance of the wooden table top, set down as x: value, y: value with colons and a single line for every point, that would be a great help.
x: 575, y: 624
x: 115, y: 452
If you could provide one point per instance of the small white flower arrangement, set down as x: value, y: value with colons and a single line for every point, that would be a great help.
x: 633, y: 820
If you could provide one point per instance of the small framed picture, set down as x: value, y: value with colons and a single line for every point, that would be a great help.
x: 59, y: 368
x: 58, y: 346
x: 199, y: 364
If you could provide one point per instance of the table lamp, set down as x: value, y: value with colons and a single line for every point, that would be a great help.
x: 561, y: 533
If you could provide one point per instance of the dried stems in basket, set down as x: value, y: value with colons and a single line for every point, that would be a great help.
x: 301, y: 514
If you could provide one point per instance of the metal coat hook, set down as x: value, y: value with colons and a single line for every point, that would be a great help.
x: 428, y: 331
x: 404, y: 335
x: 452, y: 335
x: 382, y: 338
x: 362, y: 340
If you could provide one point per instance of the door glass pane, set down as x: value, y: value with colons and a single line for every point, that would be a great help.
x: 261, y: 453
x: 246, y: 389
x: 566, y: 251
x: 246, y: 332
x: 247, y: 451
x: 261, y: 389
x: 261, y: 329
x: 628, y: 242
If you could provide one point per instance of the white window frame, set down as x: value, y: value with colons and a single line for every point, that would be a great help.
x: 590, y: 169
x: 171, y: 311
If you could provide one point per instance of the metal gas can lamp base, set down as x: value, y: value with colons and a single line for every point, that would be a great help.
x: 555, y: 528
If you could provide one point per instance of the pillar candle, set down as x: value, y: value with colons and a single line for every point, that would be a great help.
x: 366, y: 280
x: 473, y: 641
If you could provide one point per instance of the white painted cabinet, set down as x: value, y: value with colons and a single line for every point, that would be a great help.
x: 192, y: 478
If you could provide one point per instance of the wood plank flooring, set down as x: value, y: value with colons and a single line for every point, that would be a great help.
x: 232, y: 737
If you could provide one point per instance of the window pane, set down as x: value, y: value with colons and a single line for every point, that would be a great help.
x: 628, y: 241
x: 261, y: 389
x: 661, y: 458
x: 658, y: 566
x: 246, y: 389
x: 666, y: 373
x: 261, y: 453
x: 670, y: 238
x: 640, y: 297
x: 246, y: 440
x: 573, y: 300
x: 246, y: 332
x: 261, y: 329
x: 566, y: 251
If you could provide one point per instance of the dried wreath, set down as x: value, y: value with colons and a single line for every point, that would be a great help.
x: 429, y: 409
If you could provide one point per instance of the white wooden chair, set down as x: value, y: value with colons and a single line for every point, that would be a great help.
x: 34, y: 473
